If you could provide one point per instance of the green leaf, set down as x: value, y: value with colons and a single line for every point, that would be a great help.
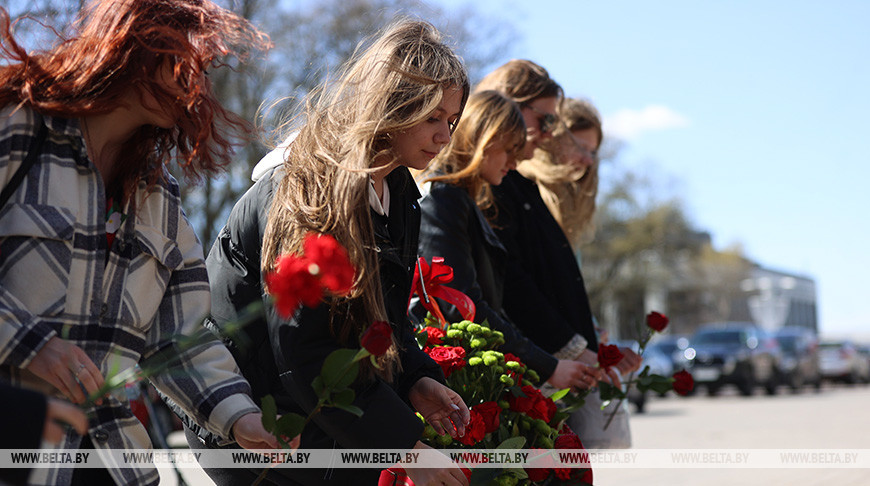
x: 482, y: 476
x: 351, y: 409
x: 422, y: 337
x: 657, y: 383
x: 609, y: 392
x: 339, y: 369
x: 317, y: 385
x: 342, y: 398
x: 559, y: 394
x: 270, y: 413
x: 519, y: 472
x: 503, y: 434
x: 289, y: 425
x: 513, y: 443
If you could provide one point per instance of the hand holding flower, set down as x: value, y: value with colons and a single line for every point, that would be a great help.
x: 250, y: 433
x: 630, y: 361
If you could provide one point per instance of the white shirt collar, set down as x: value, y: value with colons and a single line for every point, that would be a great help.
x: 380, y: 205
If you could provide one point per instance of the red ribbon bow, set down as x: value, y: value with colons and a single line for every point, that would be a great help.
x: 429, y: 283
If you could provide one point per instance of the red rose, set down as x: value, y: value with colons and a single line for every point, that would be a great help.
x: 334, y: 268
x: 290, y: 283
x: 608, y: 355
x: 475, y: 431
x: 436, y: 336
x: 489, y: 412
x: 657, y: 322
x: 377, y: 338
x: 450, y: 358
x: 683, y: 382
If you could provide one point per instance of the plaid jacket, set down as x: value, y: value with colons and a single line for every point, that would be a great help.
x: 55, y: 280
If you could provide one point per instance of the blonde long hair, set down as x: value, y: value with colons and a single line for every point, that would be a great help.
x: 522, y: 81
x: 490, y: 118
x: 391, y: 85
x: 568, y: 192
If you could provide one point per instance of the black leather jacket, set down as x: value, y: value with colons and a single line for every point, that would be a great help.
x: 282, y: 357
x: 454, y: 228
x: 544, y: 295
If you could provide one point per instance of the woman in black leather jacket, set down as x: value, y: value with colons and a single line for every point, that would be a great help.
x: 483, y: 150
x: 346, y: 175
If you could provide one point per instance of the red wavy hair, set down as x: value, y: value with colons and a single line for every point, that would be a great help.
x: 121, y: 44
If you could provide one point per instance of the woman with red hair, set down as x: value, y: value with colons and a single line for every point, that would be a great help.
x: 99, y: 267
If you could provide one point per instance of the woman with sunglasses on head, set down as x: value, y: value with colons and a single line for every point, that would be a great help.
x: 566, y: 173
x: 484, y: 149
x: 392, y: 107
x: 544, y: 293
x: 99, y: 267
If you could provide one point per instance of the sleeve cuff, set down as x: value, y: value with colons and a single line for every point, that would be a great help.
x: 573, y: 349
x: 27, y: 343
x: 225, y: 414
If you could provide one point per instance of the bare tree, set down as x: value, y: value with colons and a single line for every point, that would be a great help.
x: 646, y: 250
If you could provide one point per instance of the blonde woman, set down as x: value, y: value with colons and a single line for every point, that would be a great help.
x: 567, y: 171
x: 566, y: 174
x: 392, y: 107
x: 544, y: 293
x: 484, y: 149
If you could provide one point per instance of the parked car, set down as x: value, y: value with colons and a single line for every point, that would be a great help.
x: 841, y: 361
x: 673, y: 346
x: 738, y: 353
x: 659, y: 364
x: 800, y: 357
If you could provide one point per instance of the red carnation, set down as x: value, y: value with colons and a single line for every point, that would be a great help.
x: 525, y: 403
x: 334, y: 268
x: 656, y: 321
x: 569, y: 440
x: 511, y: 357
x: 543, y: 408
x: 290, y: 283
x: 683, y: 382
x: 608, y: 355
x: 377, y: 338
x: 436, y: 336
x: 538, y: 474
x: 475, y: 431
x: 489, y: 412
x: 450, y: 358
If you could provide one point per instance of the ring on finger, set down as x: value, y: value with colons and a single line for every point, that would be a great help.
x: 78, y: 370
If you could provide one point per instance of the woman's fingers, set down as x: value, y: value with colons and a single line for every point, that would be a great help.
x: 69, y: 384
x: 58, y: 411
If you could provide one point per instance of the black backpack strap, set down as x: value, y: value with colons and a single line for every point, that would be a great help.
x: 32, y: 153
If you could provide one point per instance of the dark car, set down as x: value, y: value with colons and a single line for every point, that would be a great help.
x: 800, y: 357
x: 737, y: 353
x: 673, y: 346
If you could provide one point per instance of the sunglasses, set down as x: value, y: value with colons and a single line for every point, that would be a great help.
x: 547, y: 121
x: 590, y: 153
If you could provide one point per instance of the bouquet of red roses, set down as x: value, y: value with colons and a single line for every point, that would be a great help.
x: 507, y: 410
